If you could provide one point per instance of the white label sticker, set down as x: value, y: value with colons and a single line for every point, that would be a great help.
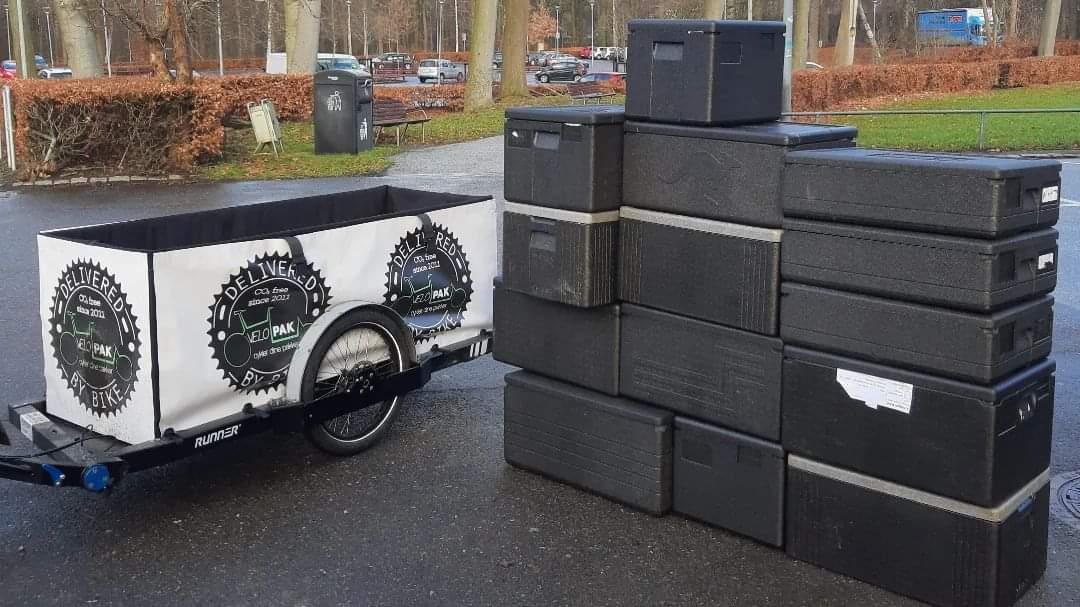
x: 1050, y: 194
x: 1046, y: 260
x: 27, y: 421
x: 876, y: 391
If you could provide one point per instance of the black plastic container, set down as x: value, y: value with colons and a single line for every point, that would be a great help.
x: 705, y: 72
x: 729, y: 174
x: 565, y: 157
x: 710, y: 270
x: 972, y: 347
x: 949, y: 271
x: 703, y: 370
x: 611, y: 446
x: 560, y: 255
x: 576, y: 345
x: 981, y: 196
x: 934, y: 549
x: 729, y: 480
x: 972, y: 443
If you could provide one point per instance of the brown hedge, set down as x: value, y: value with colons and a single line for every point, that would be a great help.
x: 821, y: 90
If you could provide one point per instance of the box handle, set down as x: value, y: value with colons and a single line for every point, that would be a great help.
x: 545, y: 140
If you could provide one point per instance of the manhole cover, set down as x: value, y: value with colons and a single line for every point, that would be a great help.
x: 1065, y: 498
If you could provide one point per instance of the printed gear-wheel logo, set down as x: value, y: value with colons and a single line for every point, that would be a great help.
x: 220, y: 329
x: 458, y: 260
x: 83, y: 370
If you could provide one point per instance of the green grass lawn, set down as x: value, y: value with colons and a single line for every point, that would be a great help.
x: 961, y: 133
x: 299, y: 159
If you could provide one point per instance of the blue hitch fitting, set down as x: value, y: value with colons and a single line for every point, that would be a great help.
x: 96, y: 478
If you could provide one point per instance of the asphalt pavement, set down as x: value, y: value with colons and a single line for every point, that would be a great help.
x: 432, y: 515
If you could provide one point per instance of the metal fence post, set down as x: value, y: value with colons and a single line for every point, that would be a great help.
x: 982, y: 131
x: 9, y: 128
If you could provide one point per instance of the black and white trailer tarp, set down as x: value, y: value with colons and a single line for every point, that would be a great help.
x: 175, y: 322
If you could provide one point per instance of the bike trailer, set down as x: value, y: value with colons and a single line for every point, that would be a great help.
x: 186, y: 330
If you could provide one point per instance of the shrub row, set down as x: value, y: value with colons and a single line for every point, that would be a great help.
x: 821, y: 90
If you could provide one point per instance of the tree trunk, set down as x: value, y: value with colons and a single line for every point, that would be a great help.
x: 301, y: 35
x: 813, y: 39
x: 176, y: 22
x: 800, y: 33
x: 844, y: 53
x: 78, y: 38
x: 988, y: 25
x: 871, y: 35
x: 715, y: 9
x: 482, y: 41
x: 1050, y: 18
x: 514, y: 49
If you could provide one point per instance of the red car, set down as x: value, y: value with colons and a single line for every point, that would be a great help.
x: 6, y: 74
x: 612, y: 78
x: 586, y: 52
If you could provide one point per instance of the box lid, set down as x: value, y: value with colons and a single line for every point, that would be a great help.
x: 980, y: 246
x: 619, y: 407
x: 698, y: 224
x: 992, y: 167
x: 786, y: 134
x: 723, y: 435
x: 1020, y: 499
x: 574, y: 114
x: 704, y: 25
x: 993, y: 395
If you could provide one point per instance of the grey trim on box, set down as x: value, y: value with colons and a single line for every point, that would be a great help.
x: 561, y: 214
x: 701, y: 225
x: 991, y: 515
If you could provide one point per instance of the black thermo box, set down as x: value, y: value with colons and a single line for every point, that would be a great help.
x: 720, y: 272
x: 703, y: 370
x: 981, y: 196
x: 728, y: 174
x: 610, y: 446
x: 918, y: 544
x: 982, y: 348
x: 949, y: 271
x: 704, y: 72
x: 560, y: 255
x: 729, y: 480
x: 976, y: 444
x: 576, y: 345
x: 564, y: 157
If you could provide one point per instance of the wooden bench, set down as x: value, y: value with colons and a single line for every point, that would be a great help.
x: 391, y: 113
x: 588, y: 90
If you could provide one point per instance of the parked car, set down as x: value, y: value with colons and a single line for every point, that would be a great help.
x: 586, y: 52
x: 11, y: 66
x: 605, y: 77
x: 338, y: 61
x: 497, y: 60
x: 546, y: 58
x: 403, y: 59
x: 562, y: 71
x: 6, y: 75
x: 54, y: 73
x: 439, y: 69
x: 535, y: 58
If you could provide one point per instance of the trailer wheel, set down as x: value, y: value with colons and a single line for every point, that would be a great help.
x: 364, y: 336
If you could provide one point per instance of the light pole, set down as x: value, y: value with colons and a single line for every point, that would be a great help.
x: 333, y: 28
x: 558, y: 31
x: 220, y: 51
x: 438, y: 44
x: 269, y: 25
x: 48, y: 26
x: 875, y: 18
x: 366, y: 54
x: 592, y: 34
x: 108, y: 42
x: 348, y: 21
x: 7, y: 24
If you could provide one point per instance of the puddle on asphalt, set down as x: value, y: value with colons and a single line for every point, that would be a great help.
x: 1065, y: 498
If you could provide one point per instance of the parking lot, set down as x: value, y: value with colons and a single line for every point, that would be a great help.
x: 431, y: 516
x: 598, y: 65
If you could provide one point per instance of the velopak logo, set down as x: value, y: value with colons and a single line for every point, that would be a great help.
x: 95, y: 339
x: 218, y: 435
x: 429, y: 288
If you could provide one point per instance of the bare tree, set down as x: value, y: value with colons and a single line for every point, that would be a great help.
x: 1014, y: 18
x: 870, y: 34
x: 478, y: 87
x: 514, y: 48
x: 150, y: 25
x: 989, y: 26
x: 844, y: 53
x: 800, y: 34
x: 78, y: 38
x: 715, y: 9
x: 302, y: 35
x: 1050, y: 19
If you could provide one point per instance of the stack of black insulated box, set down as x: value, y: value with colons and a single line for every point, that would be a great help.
x: 918, y: 396
x: 883, y: 412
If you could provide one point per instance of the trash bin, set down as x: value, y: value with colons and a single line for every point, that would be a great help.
x: 343, y: 114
